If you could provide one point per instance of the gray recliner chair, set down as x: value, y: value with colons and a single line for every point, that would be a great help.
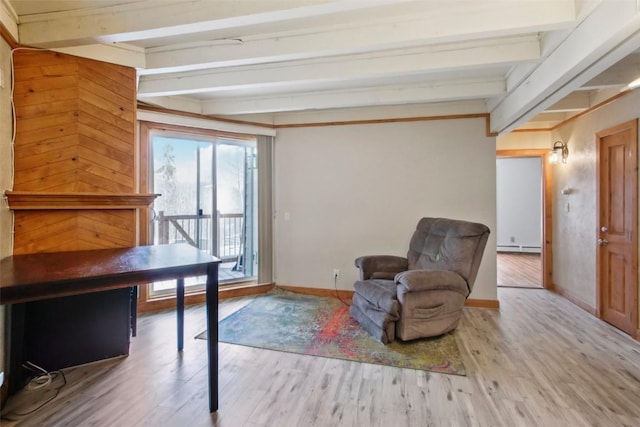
x: 421, y: 295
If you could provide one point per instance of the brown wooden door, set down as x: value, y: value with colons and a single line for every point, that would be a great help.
x: 617, y: 227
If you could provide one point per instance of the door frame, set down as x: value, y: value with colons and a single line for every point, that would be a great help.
x: 145, y: 303
x: 546, y: 231
x: 633, y: 126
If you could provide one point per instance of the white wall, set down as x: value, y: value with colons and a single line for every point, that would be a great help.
x: 519, y: 203
x: 525, y: 140
x: 347, y: 191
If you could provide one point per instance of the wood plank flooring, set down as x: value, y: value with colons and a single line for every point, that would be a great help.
x: 519, y: 270
x: 538, y: 361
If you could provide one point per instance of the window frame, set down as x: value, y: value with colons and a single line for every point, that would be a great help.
x: 147, y: 302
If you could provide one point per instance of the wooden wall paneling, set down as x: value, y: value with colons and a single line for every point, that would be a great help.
x: 74, y: 134
x: 47, y: 146
x: 86, y: 98
x: 38, y: 122
x: 58, y: 182
x: 42, y: 177
x: 102, y: 131
x: 42, y: 110
x: 33, y: 80
x: 47, y: 96
x: 46, y: 137
x: 37, y: 87
x: 114, y: 175
x: 102, y: 109
x: 28, y: 71
x: 107, y: 128
x: 49, y: 159
x: 93, y: 153
x: 86, y: 131
x: 27, y: 138
x: 107, y: 228
x: 41, y: 58
x: 114, y: 84
x: 113, y: 150
x: 43, y: 231
x: 51, y: 231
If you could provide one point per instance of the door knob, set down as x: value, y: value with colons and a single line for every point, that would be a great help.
x: 604, y: 229
x: 603, y: 242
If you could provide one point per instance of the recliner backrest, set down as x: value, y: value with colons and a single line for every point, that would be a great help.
x: 448, y: 244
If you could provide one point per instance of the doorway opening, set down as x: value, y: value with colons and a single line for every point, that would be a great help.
x: 523, y: 214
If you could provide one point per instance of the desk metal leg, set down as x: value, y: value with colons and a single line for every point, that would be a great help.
x: 212, y: 334
x: 16, y: 378
x: 180, y: 312
x: 134, y: 311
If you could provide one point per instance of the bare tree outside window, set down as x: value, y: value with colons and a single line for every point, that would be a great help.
x: 166, y: 185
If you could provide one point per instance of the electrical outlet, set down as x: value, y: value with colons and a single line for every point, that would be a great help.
x: 336, y: 273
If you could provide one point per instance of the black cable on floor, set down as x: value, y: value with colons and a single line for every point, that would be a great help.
x: 335, y: 285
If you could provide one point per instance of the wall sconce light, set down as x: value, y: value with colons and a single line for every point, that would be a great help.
x: 560, y: 152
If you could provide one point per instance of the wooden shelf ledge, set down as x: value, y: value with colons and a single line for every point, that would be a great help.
x: 29, y: 200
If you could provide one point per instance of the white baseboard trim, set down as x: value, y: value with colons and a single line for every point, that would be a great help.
x: 519, y: 249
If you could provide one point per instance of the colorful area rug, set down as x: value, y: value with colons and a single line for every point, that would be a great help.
x: 316, y: 326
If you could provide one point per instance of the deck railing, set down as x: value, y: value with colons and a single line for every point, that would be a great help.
x: 186, y: 228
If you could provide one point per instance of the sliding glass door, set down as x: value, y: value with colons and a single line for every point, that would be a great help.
x: 237, y: 209
x: 208, y: 200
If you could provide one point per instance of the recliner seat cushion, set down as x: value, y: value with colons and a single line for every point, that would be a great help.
x: 380, y: 294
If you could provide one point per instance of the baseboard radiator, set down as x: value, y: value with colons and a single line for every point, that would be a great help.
x: 519, y: 248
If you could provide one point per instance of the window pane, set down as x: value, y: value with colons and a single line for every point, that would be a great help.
x: 216, y: 215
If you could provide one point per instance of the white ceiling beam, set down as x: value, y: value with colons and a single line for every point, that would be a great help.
x: 373, y: 113
x: 482, y: 21
x: 116, y: 53
x: 550, y: 117
x: 576, y: 101
x: 204, y: 123
x: 549, y: 42
x: 601, y: 95
x: 150, y: 19
x: 620, y: 74
x: 405, y: 62
x: 410, y: 94
x: 9, y: 18
x: 592, y: 47
x: 178, y: 103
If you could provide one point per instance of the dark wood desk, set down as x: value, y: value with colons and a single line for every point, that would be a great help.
x: 34, y: 277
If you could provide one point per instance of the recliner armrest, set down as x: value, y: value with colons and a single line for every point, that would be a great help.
x: 384, y: 265
x: 429, y: 280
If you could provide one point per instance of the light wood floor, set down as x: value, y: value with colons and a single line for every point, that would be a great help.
x: 519, y: 270
x: 538, y: 361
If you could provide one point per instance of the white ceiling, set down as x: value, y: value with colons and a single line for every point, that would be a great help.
x: 513, y: 59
